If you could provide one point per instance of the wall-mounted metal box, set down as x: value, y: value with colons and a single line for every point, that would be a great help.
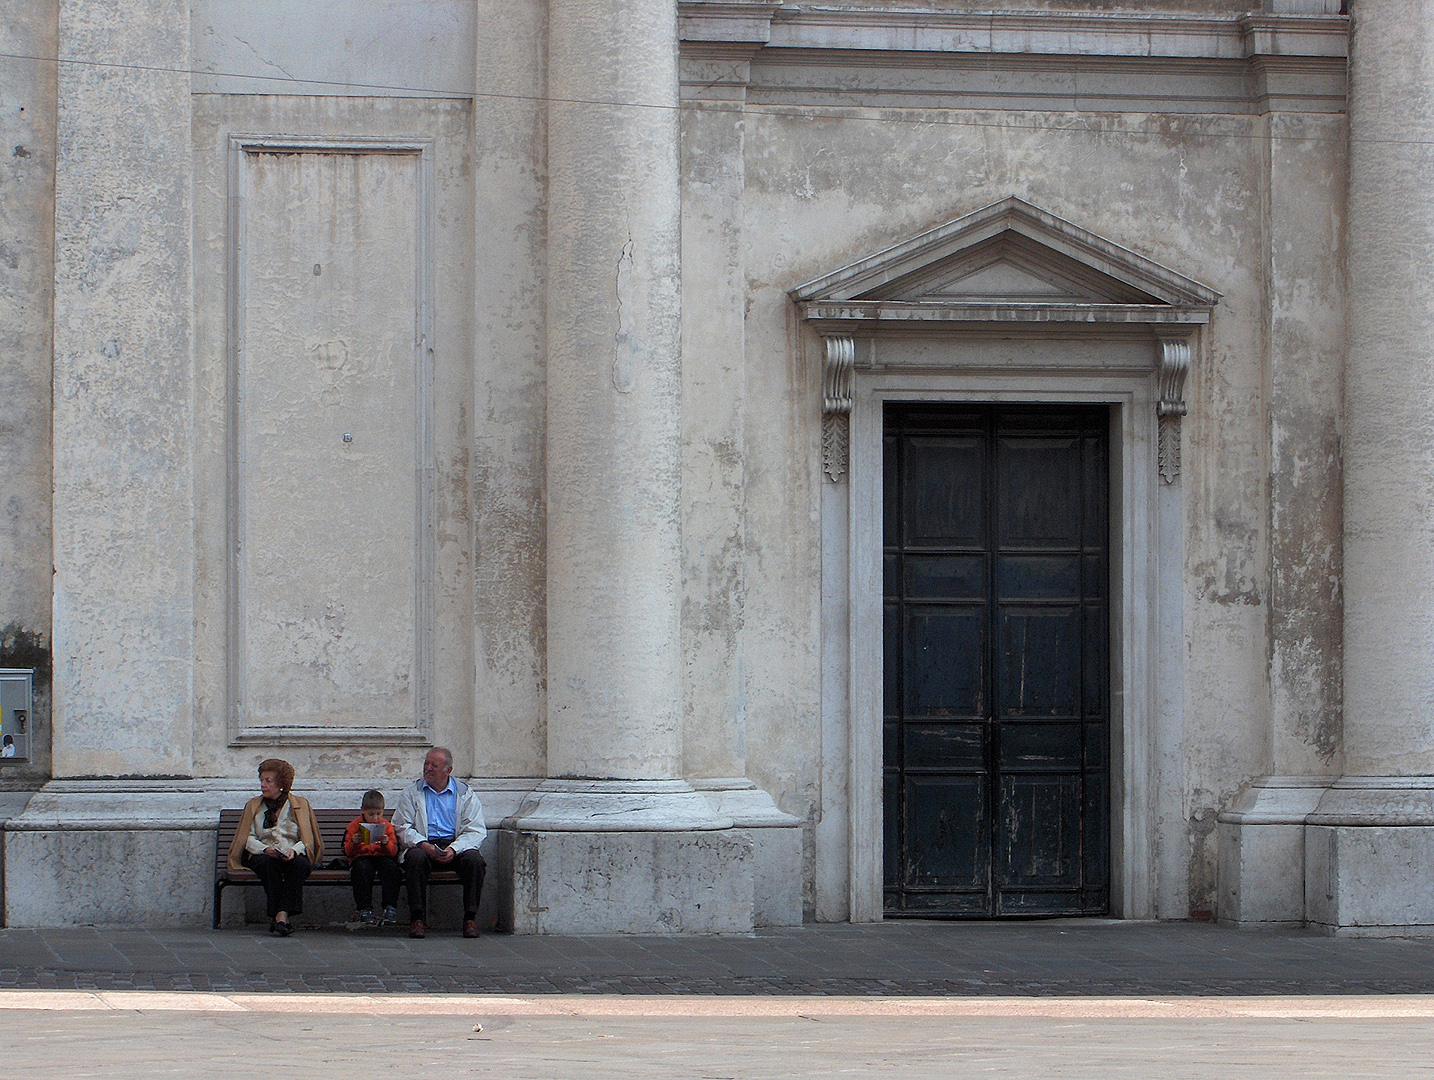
x: 17, y: 693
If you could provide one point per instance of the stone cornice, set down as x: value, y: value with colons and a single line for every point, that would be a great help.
x: 862, y: 289
x: 1088, y: 34
x: 858, y: 316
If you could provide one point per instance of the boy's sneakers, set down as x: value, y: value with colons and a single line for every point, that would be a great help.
x: 366, y: 917
x: 390, y: 916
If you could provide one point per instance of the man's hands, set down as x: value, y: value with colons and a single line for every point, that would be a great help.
x: 436, y: 853
x: 275, y: 853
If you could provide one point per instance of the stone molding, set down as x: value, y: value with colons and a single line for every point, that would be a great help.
x: 1087, y: 34
x: 1345, y: 802
x: 839, y: 359
x: 1127, y: 62
x: 1376, y: 801
x: 615, y: 806
x: 419, y: 733
x: 1094, y: 280
x: 737, y: 23
x: 920, y: 286
x: 1174, y: 367
x: 1275, y: 800
x: 169, y: 805
x: 745, y: 803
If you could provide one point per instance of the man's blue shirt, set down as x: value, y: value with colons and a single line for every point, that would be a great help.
x: 442, y: 808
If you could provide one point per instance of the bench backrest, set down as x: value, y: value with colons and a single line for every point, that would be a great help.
x: 332, y: 824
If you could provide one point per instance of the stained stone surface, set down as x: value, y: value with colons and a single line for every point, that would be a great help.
x: 124, y: 580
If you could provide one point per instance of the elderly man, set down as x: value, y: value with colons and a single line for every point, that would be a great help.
x: 439, y: 822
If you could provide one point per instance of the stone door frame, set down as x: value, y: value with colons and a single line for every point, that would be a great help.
x: 1009, y: 303
x: 1147, y: 630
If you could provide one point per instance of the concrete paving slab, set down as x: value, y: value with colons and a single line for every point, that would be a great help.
x: 674, y: 1038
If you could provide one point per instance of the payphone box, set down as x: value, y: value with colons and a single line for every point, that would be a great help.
x: 17, y: 692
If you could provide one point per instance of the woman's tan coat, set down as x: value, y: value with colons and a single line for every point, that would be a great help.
x: 303, y: 815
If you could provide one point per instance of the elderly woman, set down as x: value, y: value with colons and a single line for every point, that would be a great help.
x: 279, y: 840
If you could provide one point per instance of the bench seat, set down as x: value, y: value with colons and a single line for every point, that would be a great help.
x: 331, y: 823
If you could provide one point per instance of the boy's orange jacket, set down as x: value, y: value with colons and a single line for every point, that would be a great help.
x: 353, y: 849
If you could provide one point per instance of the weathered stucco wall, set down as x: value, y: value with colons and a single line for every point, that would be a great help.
x: 507, y: 467
x: 488, y: 183
x: 27, y: 192
x: 123, y: 511
x: 448, y: 125
x: 824, y: 188
x: 826, y: 157
x: 1306, y: 350
x: 714, y: 469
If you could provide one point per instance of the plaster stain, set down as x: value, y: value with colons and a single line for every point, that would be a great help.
x: 1203, y: 861
x: 22, y: 648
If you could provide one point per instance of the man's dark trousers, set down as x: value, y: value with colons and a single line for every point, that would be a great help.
x: 417, y: 866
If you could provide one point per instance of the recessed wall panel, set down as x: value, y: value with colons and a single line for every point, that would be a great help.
x: 329, y: 620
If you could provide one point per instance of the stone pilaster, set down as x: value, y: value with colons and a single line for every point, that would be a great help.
x: 614, y: 391
x: 123, y: 476
x: 1374, y: 827
x: 1262, y: 829
x: 616, y: 840
x: 123, y: 524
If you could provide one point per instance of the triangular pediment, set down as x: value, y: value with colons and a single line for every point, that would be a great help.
x: 1000, y: 280
x: 1007, y: 262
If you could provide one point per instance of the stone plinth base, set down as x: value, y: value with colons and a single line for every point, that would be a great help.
x: 640, y: 857
x: 1262, y: 851
x: 626, y: 882
x: 108, y: 877
x: 1352, y: 856
x: 644, y: 857
x: 141, y: 853
x: 776, y: 847
x: 1369, y: 857
x: 1367, y: 881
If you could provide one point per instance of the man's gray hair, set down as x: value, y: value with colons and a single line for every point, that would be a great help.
x: 447, y: 755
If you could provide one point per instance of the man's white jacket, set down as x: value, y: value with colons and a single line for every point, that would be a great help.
x: 410, y: 819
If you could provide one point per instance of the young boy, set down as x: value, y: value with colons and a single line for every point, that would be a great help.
x: 372, y: 847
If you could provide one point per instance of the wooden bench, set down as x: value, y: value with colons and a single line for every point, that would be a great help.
x: 331, y: 823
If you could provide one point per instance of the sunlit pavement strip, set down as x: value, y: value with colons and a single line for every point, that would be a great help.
x: 697, y: 1007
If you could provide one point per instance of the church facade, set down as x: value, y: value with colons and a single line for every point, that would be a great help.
x: 831, y: 461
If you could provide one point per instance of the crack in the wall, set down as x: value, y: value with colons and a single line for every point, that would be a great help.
x: 268, y: 63
x: 622, y: 340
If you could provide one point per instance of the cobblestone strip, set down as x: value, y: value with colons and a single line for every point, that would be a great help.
x: 45, y: 979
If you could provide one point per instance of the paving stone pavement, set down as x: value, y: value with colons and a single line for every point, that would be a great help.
x: 1054, y: 958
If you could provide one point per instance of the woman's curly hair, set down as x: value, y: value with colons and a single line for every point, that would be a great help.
x: 282, y: 770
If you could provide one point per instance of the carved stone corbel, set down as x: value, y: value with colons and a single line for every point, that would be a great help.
x: 837, y: 364
x: 1174, y: 367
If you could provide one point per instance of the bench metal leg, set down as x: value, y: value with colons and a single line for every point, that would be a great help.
x: 218, y: 899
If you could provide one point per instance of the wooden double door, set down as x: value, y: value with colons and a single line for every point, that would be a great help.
x: 997, y: 684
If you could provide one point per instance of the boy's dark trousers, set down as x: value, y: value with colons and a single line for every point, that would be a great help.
x: 417, y: 866
x: 364, y: 868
